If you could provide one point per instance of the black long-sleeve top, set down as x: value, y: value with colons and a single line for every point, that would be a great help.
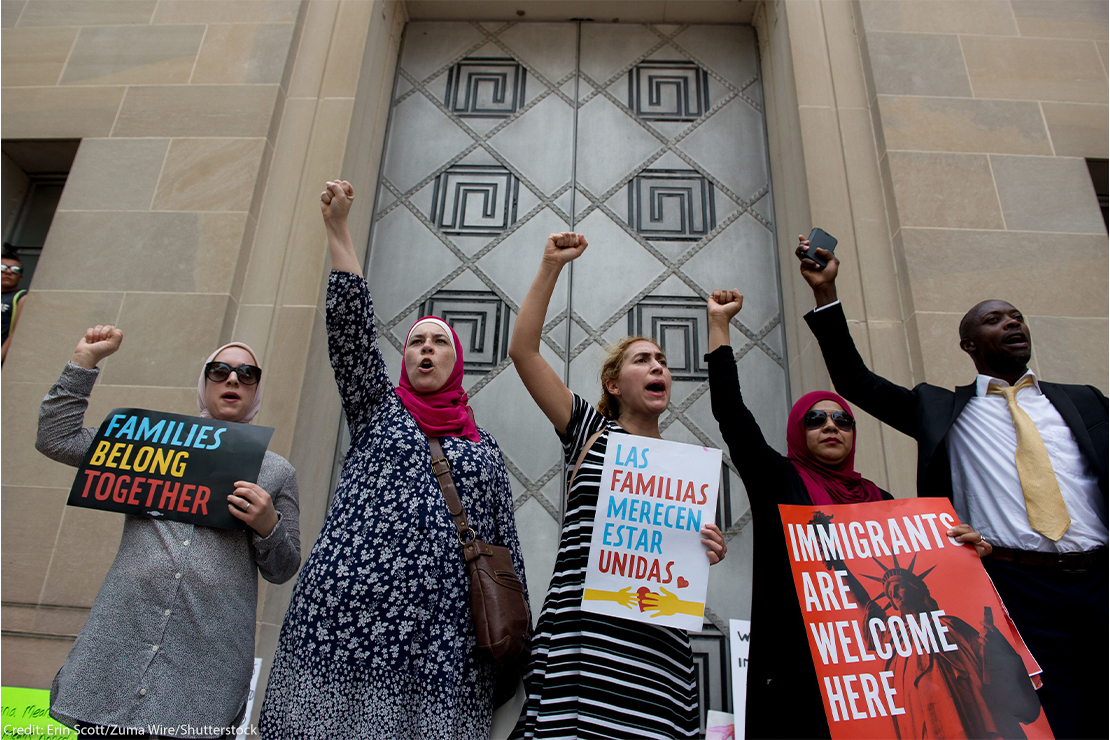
x: 780, y: 668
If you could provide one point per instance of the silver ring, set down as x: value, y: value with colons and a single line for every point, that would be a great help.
x: 982, y: 539
x: 248, y: 507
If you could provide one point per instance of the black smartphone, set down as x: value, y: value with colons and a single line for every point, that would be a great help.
x: 819, y: 239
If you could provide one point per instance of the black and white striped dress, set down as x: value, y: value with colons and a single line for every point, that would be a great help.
x: 590, y: 675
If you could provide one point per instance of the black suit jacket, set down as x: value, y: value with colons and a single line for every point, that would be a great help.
x: 927, y: 412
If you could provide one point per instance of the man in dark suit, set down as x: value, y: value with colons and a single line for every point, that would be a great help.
x: 1025, y: 463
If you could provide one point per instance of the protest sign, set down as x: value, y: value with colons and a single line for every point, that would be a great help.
x: 245, y: 727
x: 169, y: 466
x: 739, y: 631
x: 907, y: 634
x: 26, y: 715
x: 719, y: 726
x: 647, y: 562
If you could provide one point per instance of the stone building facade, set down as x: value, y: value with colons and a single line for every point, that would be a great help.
x: 952, y: 147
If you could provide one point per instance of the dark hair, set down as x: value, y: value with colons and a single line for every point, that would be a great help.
x: 11, y: 254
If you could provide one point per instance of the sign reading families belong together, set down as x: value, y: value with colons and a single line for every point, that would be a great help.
x: 169, y: 466
x: 907, y: 634
x: 647, y: 562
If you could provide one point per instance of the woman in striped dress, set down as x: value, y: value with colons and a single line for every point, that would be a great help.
x: 590, y: 675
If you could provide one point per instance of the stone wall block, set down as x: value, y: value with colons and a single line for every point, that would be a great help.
x: 30, y: 519
x: 953, y: 269
x: 848, y: 81
x: 252, y: 326
x: 279, y: 202
x: 50, y: 323
x: 812, y: 76
x: 196, y: 110
x: 246, y: 247
x: 261, y: 180
x: 963, y: 125
x: 194, y: 322
x: 60, y: 112
x: 226, y: 11
x: 965, y: 16
x: 120, y: 55
x: 114, y: 175
x: 86, y: 546
x: 307, y: 254
x: 1047, y: 194
x: 917, y: 64
x: 284, y: 382
x: 209, y: 175
x: 9, y: 12
x: 348, y: 43
x: 1078, y: 130
x: 1068, y: 19
x: 1035, y: 69
x: 163, y: 251
x: 869, y: 222
x: 19, y: 418
x: 85, y: 13
x: 312, y: 50
x: 945, y: 364
x: 312, y: 450
x: 237, y: 53
x: 1071, y: 349
x: 32, y: 661
x: 952, y: 190
x: 34, y: 56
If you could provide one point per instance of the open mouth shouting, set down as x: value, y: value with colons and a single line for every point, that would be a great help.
x: 1016, y: 339
x: 656, y: 388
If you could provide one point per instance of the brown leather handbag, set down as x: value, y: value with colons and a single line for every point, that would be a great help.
x: 501, y: 621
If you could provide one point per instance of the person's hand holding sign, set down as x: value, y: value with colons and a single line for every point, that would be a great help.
x: 252, y: 505
x: 99, y: 342
x: 714, y: 541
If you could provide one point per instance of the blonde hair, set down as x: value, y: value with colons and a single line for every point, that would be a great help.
x: 611, y: 367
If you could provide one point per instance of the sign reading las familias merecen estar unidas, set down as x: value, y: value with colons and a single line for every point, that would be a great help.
x: 169, y: 466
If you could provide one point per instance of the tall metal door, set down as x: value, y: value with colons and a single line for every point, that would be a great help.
x: 650, y: 140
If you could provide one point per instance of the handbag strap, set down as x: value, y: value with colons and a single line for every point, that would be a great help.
x: 441, y: 469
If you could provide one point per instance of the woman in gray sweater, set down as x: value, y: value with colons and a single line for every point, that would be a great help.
x: 169, y: 642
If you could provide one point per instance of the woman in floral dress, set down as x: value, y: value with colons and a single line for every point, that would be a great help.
x: 379, y: 640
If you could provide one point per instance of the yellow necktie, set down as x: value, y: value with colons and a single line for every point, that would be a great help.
x: 1044, y: 505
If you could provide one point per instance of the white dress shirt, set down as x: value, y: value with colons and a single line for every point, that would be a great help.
x: 985, y: 485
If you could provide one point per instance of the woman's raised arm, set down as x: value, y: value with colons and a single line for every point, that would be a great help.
x: 543, y: 383
x: 335, y: 204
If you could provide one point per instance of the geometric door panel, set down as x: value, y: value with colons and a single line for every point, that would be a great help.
x: 648, y: 139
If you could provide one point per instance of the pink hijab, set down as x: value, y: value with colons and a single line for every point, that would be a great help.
x: 203, y: 405
x: 826, y: 486
x: 441, y: 413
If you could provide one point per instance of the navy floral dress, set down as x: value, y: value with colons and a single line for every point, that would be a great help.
x: 379, y: 641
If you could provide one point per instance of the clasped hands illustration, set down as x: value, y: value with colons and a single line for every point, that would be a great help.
x: 664, y: 603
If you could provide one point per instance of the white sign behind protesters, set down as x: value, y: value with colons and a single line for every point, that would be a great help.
x: 647, y: 562
x: 740, y: 631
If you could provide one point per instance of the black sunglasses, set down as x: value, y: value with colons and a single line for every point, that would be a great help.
x: 12, y: 268
x: 815, y: 419
x: 218, y: 372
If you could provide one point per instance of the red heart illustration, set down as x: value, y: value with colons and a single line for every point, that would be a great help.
x: 640, y: 594
x: 682, y: 582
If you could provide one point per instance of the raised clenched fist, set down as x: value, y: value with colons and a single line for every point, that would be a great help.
x: 724, y: 304
x: 99, y: 342
x: 335, y: 201
x: 564, y: 247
